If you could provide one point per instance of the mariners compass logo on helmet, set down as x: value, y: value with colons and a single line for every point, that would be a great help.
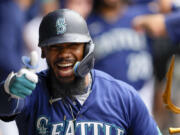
x: 61, y: 26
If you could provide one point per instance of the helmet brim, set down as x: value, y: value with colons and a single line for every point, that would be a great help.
x: 66, y: 38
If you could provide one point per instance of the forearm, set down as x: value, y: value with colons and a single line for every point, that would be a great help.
x: 9, y: 106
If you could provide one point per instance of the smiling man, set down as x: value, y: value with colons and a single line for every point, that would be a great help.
x: 61, y: 59
x: 71, y: 98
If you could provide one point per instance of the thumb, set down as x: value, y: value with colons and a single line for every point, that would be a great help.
x: 31, y: 62
x: 33, y: 58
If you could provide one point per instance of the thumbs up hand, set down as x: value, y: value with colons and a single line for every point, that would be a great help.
x: 22, y: 83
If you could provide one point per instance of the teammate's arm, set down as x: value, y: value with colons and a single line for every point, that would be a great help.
x: 159, y: 25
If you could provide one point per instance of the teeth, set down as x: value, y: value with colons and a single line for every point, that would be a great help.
x: 65, y: 65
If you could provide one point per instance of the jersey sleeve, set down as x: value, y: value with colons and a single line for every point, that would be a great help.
x: 141, y: 121
x: 172, y: 22
x: 9, y: 106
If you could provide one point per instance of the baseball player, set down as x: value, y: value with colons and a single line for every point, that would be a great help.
x: 71, y: 98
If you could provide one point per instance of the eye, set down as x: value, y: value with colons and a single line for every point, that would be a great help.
x: 76, y: 46
x: 73, y: 46
x: 53, y: 48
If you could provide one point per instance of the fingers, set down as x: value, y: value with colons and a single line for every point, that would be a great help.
x: 25, y: 83
x: 21, y: 86
x: 29, y: 75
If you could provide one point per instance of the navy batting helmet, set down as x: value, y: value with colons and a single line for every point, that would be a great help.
x: 67, y: 26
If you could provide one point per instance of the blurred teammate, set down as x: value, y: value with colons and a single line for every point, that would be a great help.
x: 12, y: 21
x: 120, y: 50
x: 164, y: 28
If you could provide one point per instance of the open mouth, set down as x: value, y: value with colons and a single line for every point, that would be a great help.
x: 65, y: 69
x: 65, y: 65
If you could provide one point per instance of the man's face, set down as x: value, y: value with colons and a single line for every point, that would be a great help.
x: 61, y: 59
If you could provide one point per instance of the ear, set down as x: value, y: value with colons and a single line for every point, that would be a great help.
x: 43, y: 53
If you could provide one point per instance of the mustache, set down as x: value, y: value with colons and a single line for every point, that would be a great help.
x: 65, y: 60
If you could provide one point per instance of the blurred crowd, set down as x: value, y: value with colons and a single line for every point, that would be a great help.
x: 134, y: 41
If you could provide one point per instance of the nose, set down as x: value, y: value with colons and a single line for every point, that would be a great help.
x: 64, y: 52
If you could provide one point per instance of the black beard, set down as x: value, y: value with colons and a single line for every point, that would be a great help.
x: 63, y: 90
